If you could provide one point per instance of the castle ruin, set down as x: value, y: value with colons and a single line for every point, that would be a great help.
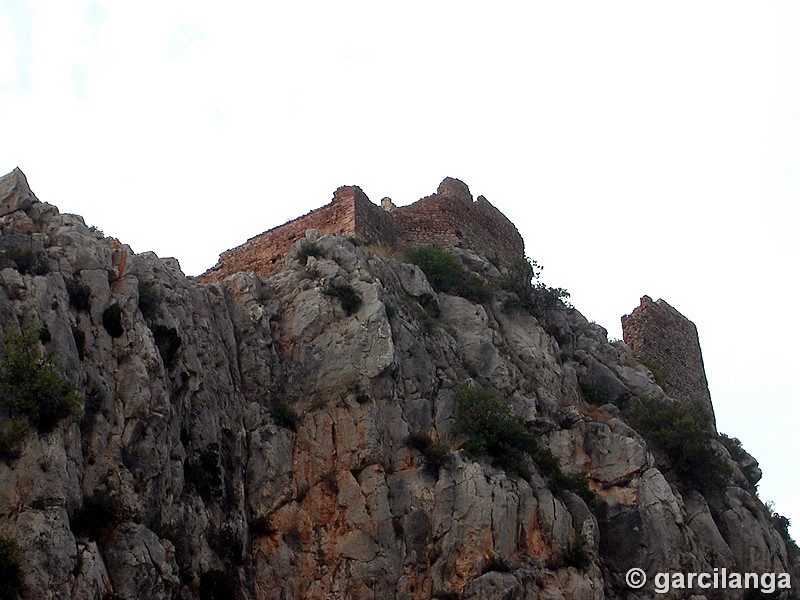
x: 665, y: 338
x: 449, y: 218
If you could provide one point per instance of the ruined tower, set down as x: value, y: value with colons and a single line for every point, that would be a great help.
x: 665, y: 338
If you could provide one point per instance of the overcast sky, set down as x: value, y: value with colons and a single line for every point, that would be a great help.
x: 640, y: 147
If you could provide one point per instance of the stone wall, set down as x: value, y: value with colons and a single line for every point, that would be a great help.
x: 449, y: 218
x: 373, y: 224
x: 263, y: 254
x: 663, y: 336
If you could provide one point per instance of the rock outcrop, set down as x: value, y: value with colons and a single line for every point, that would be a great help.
x: 253, y: 437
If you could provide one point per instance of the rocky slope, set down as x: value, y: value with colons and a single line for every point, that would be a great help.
x: 250, y: 438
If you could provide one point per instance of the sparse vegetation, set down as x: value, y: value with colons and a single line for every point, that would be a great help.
x: 446, y: 273
x: 530, y: 294
x: 434, y: 453
x: 495, y: 431
x: 284, y: 415
x: 578, y: 555
x: 427, y: 322
x: 28, y: 261
x: 347, y: 295
x: 659, y: 374
x: 30, y: 383
x: 738, y: 454
x: 781, y: 524
x: 681, y: 432
x: 593, y: 393
x: 308, y: 249
x: 112, y: 320
x: 12, y: 432
x: 10, y: 573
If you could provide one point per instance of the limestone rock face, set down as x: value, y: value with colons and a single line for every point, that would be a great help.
x: 250, y: 438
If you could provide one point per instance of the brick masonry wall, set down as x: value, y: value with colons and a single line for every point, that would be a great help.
x: 374, y: 225
x: 662, y: 335
x: 263, y: 254
x: 447, y: 221
x: 448, y: 218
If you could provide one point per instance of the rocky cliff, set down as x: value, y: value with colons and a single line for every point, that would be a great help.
x: 304, y: 435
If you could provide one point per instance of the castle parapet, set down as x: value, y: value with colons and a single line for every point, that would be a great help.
x: 448, y: 218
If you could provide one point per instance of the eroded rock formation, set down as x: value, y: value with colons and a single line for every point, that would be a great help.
x: 250, y: 438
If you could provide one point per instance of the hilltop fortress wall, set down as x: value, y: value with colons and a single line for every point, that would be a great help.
x: 448, y: 218
x: 663, y: 336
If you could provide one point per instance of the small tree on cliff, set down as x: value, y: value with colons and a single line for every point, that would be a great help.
x: 530, y: 294
x: 30, y: 383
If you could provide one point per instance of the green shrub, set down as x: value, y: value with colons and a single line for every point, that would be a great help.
x: 740, y: 456
x: 112, y: 320
x: 446, y: 273
x: 492, y: 429
x: 347, y: 296
x: 426, y: 320
x: 284, y: 415
x: 435, y: 454
x: 150, y: 299
x: 79, y: 295
x: 681, y: 431
x: 495, y: 431
x: 659, y: 374
x: 308, y: 249
x: 29, y: 261
x: 528, y: 293
x: 10, y: 573
x: 578, y: 554
x: 781, y: 524
x: 593, y: 393
x: 31, y: 384
x: 12, y: 432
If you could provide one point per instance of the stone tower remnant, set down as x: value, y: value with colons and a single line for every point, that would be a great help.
x: 665, y: 338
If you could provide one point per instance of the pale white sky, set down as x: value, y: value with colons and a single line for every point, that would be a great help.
x: 640, y: 147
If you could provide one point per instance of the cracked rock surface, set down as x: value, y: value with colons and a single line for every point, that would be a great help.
x: 250, y: 437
